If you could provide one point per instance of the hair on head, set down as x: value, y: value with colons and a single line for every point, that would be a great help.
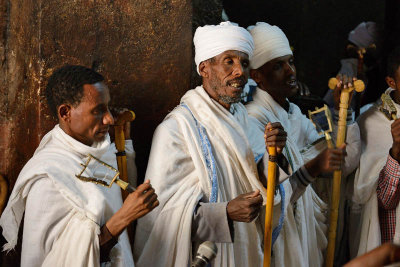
x: 393, y: 62
x: 65, y: 85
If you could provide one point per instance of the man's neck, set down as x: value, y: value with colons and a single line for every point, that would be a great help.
x: 396, y: 96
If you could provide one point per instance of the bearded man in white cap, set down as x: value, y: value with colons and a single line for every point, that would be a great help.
x: 203, y: 166
x: 302, y: 240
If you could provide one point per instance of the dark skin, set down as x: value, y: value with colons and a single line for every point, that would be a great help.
x: 394, y: 82
x: 224, y: 78
x: 278, y: 78
x: 89, y: 122
x: 381, y: 256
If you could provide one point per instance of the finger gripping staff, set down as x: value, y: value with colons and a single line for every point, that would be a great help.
x: 359, y: 86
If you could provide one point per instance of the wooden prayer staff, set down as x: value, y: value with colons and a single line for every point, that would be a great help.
x: 358, y: 85
x: 269, y: 205
x: 127, y: 116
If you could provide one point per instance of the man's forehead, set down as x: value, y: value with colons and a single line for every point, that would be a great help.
x: 96, y: 90
x: 282, y: 58
x: 234, y: 53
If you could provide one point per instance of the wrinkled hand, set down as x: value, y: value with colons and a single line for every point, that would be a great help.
x: 245, y: 207
x: 395, y: 129
x: 344, y: 82
x: 275, y: 135
x: 135, y: 206
x: 329, y: 160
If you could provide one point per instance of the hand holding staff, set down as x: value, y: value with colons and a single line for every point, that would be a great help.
x: 275, y: 139
x: 347, y: 87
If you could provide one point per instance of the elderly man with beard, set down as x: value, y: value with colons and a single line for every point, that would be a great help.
x: 203, y: 166
x: 302, y: 239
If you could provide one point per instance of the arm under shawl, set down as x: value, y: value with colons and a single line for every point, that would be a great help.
x: 54, y: 233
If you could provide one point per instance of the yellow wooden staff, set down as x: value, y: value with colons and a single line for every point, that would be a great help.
x: 269, y: 205
x: 126, y: 116
x: 358, y: 85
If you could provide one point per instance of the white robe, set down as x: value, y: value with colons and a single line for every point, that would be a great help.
x: 376, y: 140
x: 302, y: 240
x: 63, y: 214
x: 180, y: 174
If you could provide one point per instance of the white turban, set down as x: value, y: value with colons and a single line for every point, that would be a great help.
x: 212, y: 40
x: 269, y: 43
x: 364, y: 34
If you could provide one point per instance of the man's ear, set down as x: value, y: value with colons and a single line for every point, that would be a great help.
x: 64, y: 112
x: 204, y: 69
x: 255, y: 75
x: 390, y: 82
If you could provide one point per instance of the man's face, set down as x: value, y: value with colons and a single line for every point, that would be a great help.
x: 227, y: 75
x: 90, y: 120
x: 278, y: 78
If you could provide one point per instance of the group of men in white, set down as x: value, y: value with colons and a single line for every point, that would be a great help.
x: 207, y: 172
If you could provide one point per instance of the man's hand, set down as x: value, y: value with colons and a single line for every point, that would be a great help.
x: 116, y: 112
x: 275, y: 135
x: 135, y: 206
x: 344, y: 82
x: 245, y: 207
x: 395, y: 129
x: 329, y: 160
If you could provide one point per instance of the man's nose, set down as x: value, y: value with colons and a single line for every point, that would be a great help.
x: 108, y: 118
x: 290, y: 68
x: 238, y: 70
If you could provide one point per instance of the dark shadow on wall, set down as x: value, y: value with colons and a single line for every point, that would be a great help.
x: 317, y: 30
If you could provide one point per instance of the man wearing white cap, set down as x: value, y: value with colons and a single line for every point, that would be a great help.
x: 202, y: 164
x: 302, y: 240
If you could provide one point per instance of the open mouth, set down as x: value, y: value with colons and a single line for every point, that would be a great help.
x: 292, y: 83
x: 236, y: 85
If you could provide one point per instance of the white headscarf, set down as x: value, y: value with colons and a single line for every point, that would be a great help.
x: 269, y: 43
x: 364, y: 34
x: 212, y: 40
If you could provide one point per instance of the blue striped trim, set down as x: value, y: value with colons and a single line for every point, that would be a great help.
x: 208, y: 156
x: 258, y: 157
x: 278, y: 228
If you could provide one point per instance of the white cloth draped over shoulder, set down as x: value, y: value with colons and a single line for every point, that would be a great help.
x: 302, y: 240
x: 68, y: 234
x: 179, y: 173
x: 376, y: 140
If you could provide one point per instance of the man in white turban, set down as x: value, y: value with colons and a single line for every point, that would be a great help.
x: 302, y: 240
x: 203, y: 166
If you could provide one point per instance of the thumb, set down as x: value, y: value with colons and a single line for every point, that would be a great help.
x: 254, y: 193
x: 342, y: 146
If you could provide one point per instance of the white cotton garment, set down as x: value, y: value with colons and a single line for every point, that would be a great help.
x: 178, y: 172
x: 376, y: 141
x: 212, y: 40
x: 302, y: 240
x: 64, y: 228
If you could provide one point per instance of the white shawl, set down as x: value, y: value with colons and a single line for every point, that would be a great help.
x: 376, y: 141
x: 75, y: 236
x: 179, y: 173
x: 302, y: 240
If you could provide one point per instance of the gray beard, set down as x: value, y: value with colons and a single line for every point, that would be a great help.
x: 228, y: 99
